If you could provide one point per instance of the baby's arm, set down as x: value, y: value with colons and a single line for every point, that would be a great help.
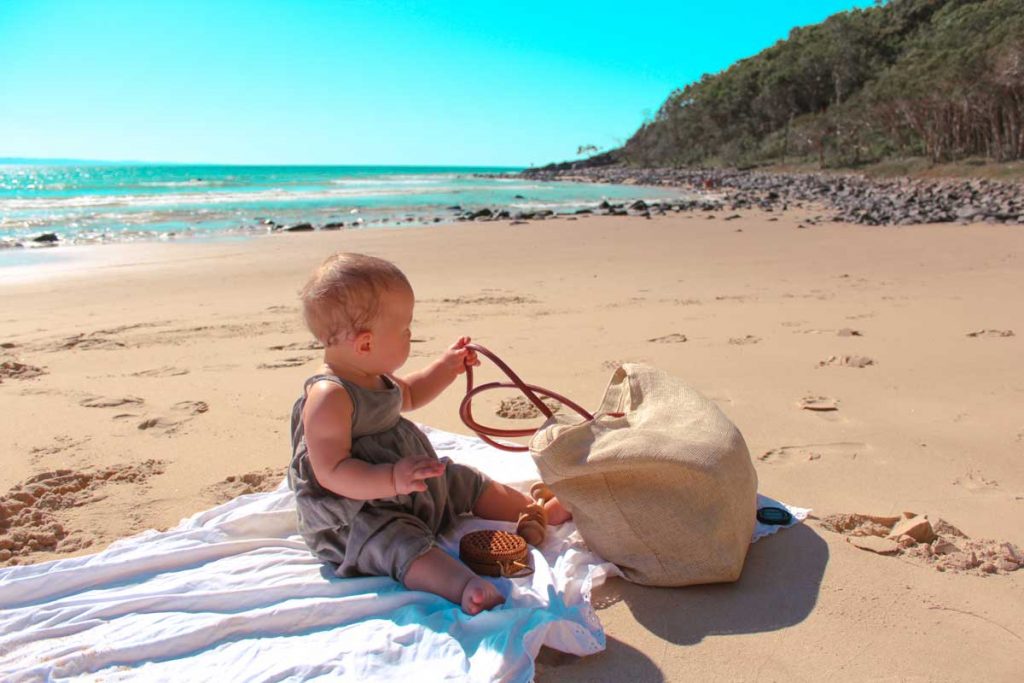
x: 327, y: 420
x: 420, y: 388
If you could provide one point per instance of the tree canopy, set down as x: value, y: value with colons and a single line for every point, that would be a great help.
x: 937, y: 78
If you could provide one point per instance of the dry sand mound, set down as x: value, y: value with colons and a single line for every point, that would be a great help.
x: 258, y: 481
x: 30, y: 513
x: 940, y: 545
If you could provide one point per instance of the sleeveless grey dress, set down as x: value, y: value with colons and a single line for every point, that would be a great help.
x: 376, y: 537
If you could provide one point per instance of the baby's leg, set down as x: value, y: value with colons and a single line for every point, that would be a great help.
x: 438, y: 572
x: 505, y: 503
x: 501, y: 502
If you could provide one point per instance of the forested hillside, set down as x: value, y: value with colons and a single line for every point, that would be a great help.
x: 941, y: 79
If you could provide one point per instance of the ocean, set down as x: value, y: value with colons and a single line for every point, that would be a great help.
x: 90, y: 204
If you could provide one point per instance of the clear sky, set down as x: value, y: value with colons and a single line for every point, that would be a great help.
x: 349, y: 82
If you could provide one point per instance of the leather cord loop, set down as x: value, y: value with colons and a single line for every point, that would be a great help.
x: 531, y: 391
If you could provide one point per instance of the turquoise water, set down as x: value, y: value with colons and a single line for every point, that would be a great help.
x: 124, y: 202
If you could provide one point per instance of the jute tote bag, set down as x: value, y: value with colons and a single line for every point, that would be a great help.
x: 659, y: 481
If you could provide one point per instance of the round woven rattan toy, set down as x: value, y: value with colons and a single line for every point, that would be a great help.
x: 494, y: 553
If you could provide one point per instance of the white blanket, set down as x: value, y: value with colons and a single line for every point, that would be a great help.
x: 232, y: 593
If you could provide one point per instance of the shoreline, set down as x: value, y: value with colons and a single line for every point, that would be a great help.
x: 55, y: 206
x: 833, y: 197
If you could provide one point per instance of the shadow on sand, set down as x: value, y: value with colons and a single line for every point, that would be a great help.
x: 779, y: 588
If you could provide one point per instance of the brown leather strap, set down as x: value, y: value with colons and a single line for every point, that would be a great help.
x: 531, y: 391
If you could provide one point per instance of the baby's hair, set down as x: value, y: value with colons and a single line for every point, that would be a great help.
x: 342, y: 297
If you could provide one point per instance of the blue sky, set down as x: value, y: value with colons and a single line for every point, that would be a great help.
x: 347, y: 82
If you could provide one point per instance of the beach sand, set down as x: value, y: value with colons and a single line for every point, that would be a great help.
x: 166, y: 373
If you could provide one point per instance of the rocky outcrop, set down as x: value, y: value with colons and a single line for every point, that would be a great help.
x: 846, y: 198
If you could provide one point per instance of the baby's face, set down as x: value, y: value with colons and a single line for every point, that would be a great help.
x: 392, y: 330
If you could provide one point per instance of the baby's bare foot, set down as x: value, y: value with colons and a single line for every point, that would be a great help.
x: 478, y: 595
x: 556, y: 512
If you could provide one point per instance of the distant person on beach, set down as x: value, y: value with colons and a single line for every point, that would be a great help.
x: 371, y: 493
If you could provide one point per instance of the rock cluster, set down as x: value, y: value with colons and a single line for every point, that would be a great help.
x: 940, y: 545
x: 634, y: 208
x: 848, y: 198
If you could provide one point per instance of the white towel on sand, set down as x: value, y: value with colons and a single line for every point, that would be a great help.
x: 232, y: 593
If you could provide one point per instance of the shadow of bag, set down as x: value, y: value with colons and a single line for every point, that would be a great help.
x: 660, y: 482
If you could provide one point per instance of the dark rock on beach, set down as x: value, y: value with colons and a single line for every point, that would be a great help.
x: 844, y: 198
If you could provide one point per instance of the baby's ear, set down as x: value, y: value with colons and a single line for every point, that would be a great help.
x: 363, y: 342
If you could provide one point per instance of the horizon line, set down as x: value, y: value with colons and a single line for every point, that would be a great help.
x: 70, y: 160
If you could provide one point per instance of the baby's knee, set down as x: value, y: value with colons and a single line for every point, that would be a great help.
x: 393, y: 547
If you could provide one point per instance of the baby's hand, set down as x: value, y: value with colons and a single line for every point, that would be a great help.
x: 410, y: 472
x: 457, y: 358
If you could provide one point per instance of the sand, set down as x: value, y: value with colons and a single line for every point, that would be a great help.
x: 871, y: 371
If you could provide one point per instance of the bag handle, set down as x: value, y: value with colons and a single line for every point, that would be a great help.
x: 531, y: 391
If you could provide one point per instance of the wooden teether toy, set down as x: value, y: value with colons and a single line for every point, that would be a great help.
x: 532, y: 522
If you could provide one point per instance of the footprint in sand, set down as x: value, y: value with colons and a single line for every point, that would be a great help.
x: 846, y: 362
x: 848, y: 332
x: 10, y: 369
x: 185, y: 410
x: 258, y: 481
x: 812, y: 451
x: 60, y: 444
x: 991, y: 333
x: 674, y: 338
x: 742, y: 341
x: 88, y: 341
x: 974, y: 481
x: 105, y: 402
x: 491, y: 300
x: 155, y: 423
x: 917, y: 538
x: 191, y: 407
x: 298, y: 346
x: 30, y: 513
x: 819, y: 403
x: 134, y: 326
x: 165, y: 371
x: 292, y: 362
x: 521, y: 408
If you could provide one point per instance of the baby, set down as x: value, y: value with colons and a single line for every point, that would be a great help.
x: 371, y: 493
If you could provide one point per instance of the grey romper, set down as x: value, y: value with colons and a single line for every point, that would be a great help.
x: 376, y: 537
